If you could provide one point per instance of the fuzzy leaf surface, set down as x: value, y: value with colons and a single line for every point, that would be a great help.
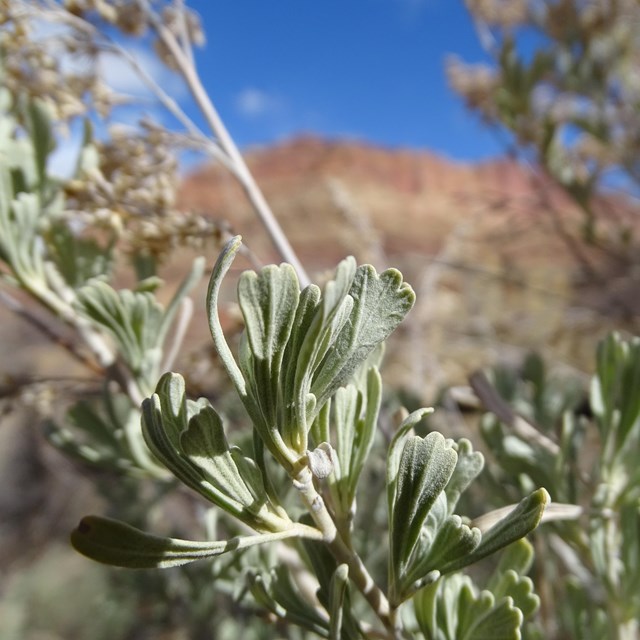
x: 425, y: 467
x: 116, y: 543
x: 518, y: 523
x: 452, y: 609
x: 380, y: 303
x: 188, y: 437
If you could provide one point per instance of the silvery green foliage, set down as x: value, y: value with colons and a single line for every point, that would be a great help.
x: 453, y: 607
x: 425, y: 477
x: 135, y: 320
x: 66, y: 270
x: 28, y: 197
x: 307, y: 375
x: 591, y: 566
x: 299, y: 348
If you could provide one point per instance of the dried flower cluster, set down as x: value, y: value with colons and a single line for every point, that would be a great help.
x: 132, y: 18
x: 504, y: 13
x: 56, y: 64
x: 132, y: 191
x: 127, y: 182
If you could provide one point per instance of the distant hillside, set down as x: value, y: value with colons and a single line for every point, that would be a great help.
x: 480, y: 243
x: 337, y: 197
x: 487, y: 245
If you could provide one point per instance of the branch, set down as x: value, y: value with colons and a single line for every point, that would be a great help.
x: 490, y: 398
x: 15, y: 306
x: 240, y: 169
x: 358, y: 573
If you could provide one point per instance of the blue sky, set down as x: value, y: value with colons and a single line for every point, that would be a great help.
x: 371, y: 70
x: 366, y: 69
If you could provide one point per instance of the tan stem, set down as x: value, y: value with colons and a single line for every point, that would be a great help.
x: 358, y: 573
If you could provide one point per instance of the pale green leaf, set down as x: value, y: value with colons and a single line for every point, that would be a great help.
x: 337, y: 593
x: 518, y: 588
x: 523, y: 519
x: 205, y: 444
x: 468, y: 467
x: 425, y: 466
x: 395, y: 450
x: 380, y: 303
x: 116, y: 543
x: 223, y: 263
x: 134, y: 320
x: 280, y: 595
x: 483, y: 619
x: 188, y: 437
x: 20, y: 246
x: 452, y: 609
x: 518, y: 557
x: 268, y: 302
x: 453, y: 540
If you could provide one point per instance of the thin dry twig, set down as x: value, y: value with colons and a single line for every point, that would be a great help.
x: 46, y: 329
x: 492, y: 401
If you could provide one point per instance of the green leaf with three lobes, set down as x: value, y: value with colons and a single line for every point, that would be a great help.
x: 279, y: 593
x: 376, y: 304
x: 425, y: 477
x: 425, y: 466
x: 518, y: 588
x: 452, y: 609
x: 132, y: 318
x: 523, y: 519
x: 135, y: 319
x: 188, y: 438
x: 119, y: 544
x: 395, y: 451
x: 302, y: 346
x: 268, y: 302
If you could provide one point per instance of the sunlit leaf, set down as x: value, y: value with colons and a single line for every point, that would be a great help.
x: 116, y: 543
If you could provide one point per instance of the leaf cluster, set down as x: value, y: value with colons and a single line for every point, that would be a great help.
x: 307, y: 376
x: 587, y: 460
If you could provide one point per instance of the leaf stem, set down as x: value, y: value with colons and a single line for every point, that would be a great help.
x: 344, y: 554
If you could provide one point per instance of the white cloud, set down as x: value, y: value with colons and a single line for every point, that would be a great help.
x: 253, y: 103
x: 63, y: 161
x: 121, y: 76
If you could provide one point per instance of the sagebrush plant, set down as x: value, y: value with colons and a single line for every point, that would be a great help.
x: 568, y: 103
x: 308, y: 511
x: 586, y: 454
x: 307, y: 376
